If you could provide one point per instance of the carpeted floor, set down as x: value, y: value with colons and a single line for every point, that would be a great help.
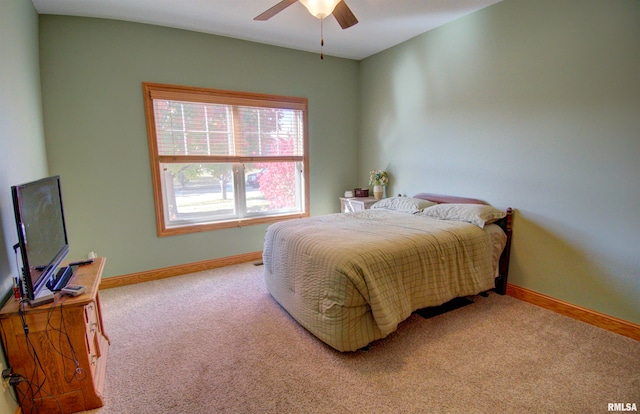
x: 216, y: 342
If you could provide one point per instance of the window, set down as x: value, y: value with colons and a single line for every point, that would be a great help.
x: 223, y: 159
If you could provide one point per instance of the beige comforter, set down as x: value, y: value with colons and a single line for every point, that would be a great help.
x: 352, y: 278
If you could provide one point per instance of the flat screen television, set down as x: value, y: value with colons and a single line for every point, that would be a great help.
x: 42, y: 232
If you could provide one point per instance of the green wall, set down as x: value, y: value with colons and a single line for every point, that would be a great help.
x: 529, y: 104
x: 533, y: 105
x: 22, y: 146
x: 92, y: 74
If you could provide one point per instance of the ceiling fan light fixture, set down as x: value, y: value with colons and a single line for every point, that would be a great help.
x: 320, y: 8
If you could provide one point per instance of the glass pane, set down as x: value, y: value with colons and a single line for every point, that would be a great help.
x: 269, y: 131
x: 197, y: 193
x: 273, y: 187
x: 191, y: 128
x: 194, y: 116
x: 169, y: 127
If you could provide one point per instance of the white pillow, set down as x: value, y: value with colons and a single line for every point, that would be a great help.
x: 404, y: 204
x: 478, y: 214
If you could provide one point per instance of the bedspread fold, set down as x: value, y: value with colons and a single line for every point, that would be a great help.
x: 339, y: 273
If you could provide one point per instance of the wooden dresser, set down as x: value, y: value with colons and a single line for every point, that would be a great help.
x: 61, y: 346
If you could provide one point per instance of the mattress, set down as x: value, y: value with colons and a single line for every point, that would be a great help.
x: 350, y: 279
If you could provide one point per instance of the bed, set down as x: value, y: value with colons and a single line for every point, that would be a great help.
x: 351, y: 278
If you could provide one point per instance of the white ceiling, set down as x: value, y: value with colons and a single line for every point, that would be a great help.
x: 382, y: 23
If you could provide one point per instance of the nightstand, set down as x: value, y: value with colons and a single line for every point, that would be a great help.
x: 351, y: 204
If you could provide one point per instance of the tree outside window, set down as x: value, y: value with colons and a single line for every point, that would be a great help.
x: 222, y: 159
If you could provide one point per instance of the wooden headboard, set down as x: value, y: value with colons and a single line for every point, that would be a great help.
x: 446, y: 199
x: 506, y: 224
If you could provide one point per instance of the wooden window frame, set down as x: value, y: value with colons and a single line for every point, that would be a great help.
x: 153, y: 91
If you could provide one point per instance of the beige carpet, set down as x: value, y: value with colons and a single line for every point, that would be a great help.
x: 216, y: 342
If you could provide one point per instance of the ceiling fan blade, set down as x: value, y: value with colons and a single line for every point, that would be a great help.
x: 275, y: 10
x: 344, y: 16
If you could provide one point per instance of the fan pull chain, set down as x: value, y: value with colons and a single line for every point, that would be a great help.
x: 321, y: 39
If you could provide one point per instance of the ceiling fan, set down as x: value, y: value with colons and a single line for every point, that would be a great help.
x: 319, y: 9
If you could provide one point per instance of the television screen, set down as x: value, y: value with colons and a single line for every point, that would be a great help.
x: 41, y: 231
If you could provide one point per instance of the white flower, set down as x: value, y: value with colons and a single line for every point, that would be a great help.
x: 378, y: 177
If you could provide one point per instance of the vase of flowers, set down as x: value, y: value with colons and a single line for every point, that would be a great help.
x: 378, y: 179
